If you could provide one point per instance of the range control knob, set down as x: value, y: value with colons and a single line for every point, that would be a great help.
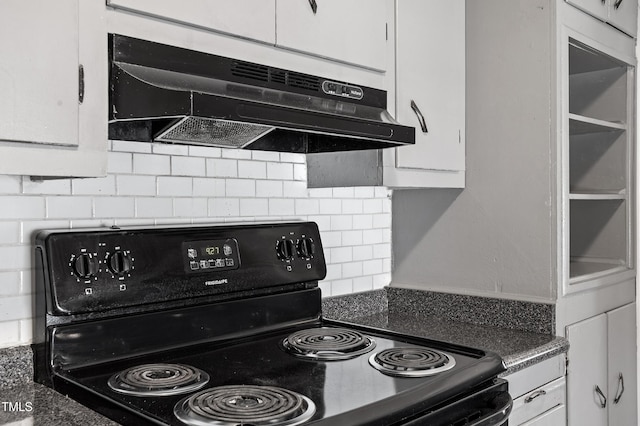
x: 119, y: 262
x: 85, y: 266
x: 306, y: 248
x: 285, y: 249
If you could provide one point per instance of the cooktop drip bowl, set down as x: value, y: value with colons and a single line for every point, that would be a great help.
x: 328, y: 343
x: 245, y: 405
x: 158, y: 380
x: 411, y: 361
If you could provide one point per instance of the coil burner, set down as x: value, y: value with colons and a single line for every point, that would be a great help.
x: 328, y: 344
x: 158, y: 380
x: 411, y: 362
x: 245, y: 405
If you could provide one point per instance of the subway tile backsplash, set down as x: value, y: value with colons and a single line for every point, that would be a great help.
x: 150, y: 184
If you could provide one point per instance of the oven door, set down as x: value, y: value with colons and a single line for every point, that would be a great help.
x: 489, y: 406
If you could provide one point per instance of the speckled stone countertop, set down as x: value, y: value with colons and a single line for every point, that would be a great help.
x: 23, y: 402
x: 518, y: 349
x: 35, y: 404
x: 520, y: 332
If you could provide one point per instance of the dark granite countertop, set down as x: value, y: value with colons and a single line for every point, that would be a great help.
x: 520, y: 332
x: 35, y: 404
x: 519, y: 349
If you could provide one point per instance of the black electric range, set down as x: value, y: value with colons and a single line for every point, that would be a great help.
x: 222, y: 325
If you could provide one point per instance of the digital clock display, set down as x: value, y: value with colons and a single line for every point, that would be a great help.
x: 212, y: 251
x: 210, y: 255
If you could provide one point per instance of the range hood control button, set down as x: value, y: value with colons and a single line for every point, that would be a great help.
x: 120, y: 262
x: 85, y: 266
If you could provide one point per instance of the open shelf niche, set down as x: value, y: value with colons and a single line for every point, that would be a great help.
x: 598, y: 164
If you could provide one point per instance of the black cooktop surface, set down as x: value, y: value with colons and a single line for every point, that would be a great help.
x: 335, y: 387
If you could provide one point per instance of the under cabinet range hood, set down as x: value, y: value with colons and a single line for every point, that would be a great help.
x: 161, y: 93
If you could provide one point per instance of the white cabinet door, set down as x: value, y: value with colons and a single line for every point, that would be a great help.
x: 597, y: 8
x: 622, y: 365
x: 624, y: 15
x: 587, y: 370
x: 430, y: 82
x: 42, y: 46
x: 350, y: 31
x: 254, y: 19
x: 39, y: 71
x: 602, y: 353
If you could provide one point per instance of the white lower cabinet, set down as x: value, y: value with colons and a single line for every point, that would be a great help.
x: 539, y: 394
x: 555, y: 417
x: 540, y: 405
x: 601, y: 376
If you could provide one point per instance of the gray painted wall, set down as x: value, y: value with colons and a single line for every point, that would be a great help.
x: 497, y: 236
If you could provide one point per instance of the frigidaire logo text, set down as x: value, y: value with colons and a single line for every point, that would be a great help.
x: 216, y: 282
x: 15, y: 407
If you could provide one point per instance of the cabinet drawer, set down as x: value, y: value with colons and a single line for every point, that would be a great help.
x: 538, y: 401
x: 554, y: 417
x: 535, y: 376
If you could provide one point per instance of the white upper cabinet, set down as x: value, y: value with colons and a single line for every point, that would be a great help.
x: 53, y: 83
x: 37, y: 49
x: 350, y: 31
x: 430, y: 89
x: 597, y: 8
x: 622, y: 14
x: 428, y: 72
x: 251, y: 19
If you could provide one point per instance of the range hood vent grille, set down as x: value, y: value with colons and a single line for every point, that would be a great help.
x: 275, y: 75
x: 250, y: 71
x: 222, y: 133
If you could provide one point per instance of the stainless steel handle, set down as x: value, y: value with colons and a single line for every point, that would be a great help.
x: 314, y: 6
x: 534, y: 395
x: 620, y: 390
x: 603, y: 399
x: 416, y: 110
x: 617, y: 4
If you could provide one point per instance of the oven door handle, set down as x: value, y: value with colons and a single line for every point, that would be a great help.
x: 500, y: 415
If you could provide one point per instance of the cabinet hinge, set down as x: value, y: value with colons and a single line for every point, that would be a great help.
x: 80, y: 83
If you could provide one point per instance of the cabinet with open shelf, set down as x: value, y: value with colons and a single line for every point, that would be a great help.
x: 599, y: 164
